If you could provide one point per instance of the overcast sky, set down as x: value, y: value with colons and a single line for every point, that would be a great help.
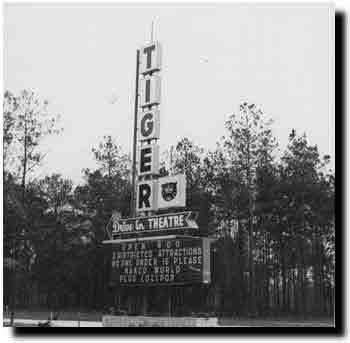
x: 82, y: 59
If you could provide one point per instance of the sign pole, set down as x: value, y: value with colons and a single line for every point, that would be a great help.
x: 133, y: 184
x: 152, y: 31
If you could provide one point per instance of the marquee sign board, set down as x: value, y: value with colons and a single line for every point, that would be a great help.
x: 149, y: 125
x: 150, y: 90
x: 159, y: 223
x: 179, y: 260
x: 151, y: 55
x: 148, y: 157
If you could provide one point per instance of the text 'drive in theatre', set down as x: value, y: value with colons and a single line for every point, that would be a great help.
x: 162, y: 261
x: 157, y: 223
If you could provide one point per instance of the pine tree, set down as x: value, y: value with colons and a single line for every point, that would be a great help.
x: 250, y: 144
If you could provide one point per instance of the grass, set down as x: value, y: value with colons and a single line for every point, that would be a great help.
x: 63, y: 315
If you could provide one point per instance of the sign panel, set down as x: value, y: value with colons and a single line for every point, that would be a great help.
x: 163, y: 222
x: 150, y: 90
x: 148, y: 159
x: 149, y: 125
x: 150, y: 58
x: 172, y: 261
x: 146, y: 196
x: 172, y: 191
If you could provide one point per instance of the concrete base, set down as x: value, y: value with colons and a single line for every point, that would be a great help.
x: 134, y: 321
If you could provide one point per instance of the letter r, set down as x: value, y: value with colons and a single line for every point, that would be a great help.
x: 145, y: 192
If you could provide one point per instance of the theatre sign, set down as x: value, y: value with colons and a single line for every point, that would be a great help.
x: 138, y: 256
x: 160, y: 223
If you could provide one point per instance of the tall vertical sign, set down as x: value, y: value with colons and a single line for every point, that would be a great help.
x: 148, y: 127
x: 188, y: 258
x: 153, y: 193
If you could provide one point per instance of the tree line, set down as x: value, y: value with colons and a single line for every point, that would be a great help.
x: 271, y: 212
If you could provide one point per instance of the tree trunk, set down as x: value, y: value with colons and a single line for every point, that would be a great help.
x: 241, y: 267
x: 25, y: 158
x: 267, y: 285
x: 251, y: 262
x: 266, y: 275
x: 283, y: 280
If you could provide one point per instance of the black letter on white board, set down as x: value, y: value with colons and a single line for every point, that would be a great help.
x: 147, y: 124
x: 144, y: 195
x: 148, y: 90
x: 145, y: 160
x: 148, y: 52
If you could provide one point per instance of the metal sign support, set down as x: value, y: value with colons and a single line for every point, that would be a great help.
x: 133, y: 183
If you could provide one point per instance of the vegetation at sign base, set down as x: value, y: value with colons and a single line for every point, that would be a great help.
x: 272, y: 214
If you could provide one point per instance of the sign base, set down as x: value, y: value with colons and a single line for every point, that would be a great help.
x: 146, y: 321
